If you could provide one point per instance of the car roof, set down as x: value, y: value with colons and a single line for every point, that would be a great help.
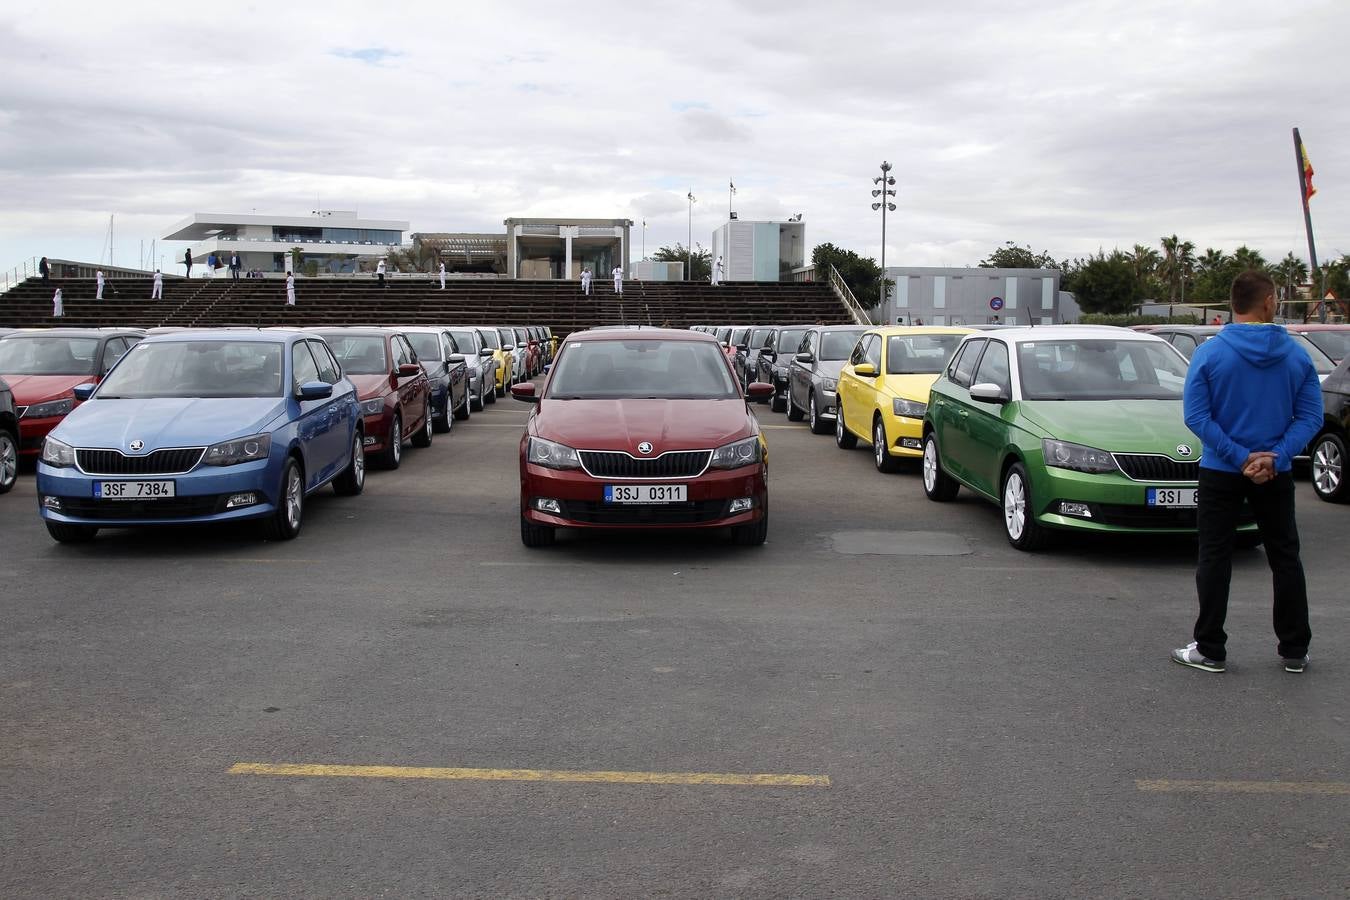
x: 645, y: 333
x: 889, y: 330
x: 843, y: 327
x: 1023, y: 333
x: 379, y: 330
x: 72, y: 332
x: 271, y: 336
x: 1318, y: 326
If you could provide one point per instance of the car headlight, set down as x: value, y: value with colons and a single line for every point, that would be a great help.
x: 911, y: 409
x: 553, y: 455
x: 741, y: 453
x: 1076, y: 457
x: 829, y: 384
x: 57, y: 453
x: 239, y: 450
x: 50, y: 408
x: 372, y: 407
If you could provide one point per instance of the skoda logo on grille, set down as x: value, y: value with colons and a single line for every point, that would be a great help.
x: 1184, y: 449
x: 645, y: 447
x: 136, y: 446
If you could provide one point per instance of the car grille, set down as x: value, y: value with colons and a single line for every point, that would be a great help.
x: 676, y: 464
x: 158, y: 462
x: 167, y: 508
x: 1155, y: 467
x: 692, y: 513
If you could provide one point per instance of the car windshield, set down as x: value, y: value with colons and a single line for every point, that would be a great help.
x: 789, y: 339
x: 490, y: 338
x: 196, y: 369
x: 1335, y: 344
x: 919, y: 354
x: 428, y: 346
x: 464, y: 340
x: 1094, y: 369
x: 47, y: 355
x: 1320, y: 360
x: 360, y: 354
x: 759, y: 337
x: 629, y: 369
x: 838, y: 344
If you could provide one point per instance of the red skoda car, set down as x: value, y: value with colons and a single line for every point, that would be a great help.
x: 642, y: 429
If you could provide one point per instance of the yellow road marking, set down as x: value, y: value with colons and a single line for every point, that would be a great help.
x: 445, y: 774
x: 1165, y: 785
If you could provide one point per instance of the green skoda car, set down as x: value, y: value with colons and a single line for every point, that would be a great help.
x: 1066, y: 427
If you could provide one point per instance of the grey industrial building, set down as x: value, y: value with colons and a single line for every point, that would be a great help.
x: 942, y: 296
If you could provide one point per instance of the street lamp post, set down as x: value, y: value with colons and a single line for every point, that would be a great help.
x: 689, y: 248
x: 885, y: 192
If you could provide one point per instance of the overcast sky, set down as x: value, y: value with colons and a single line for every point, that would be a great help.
x: 1065, y: 126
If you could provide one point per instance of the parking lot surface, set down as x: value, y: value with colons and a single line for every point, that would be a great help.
x: 406, y: 701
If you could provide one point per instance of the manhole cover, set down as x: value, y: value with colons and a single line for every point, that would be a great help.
x: 899, y: 543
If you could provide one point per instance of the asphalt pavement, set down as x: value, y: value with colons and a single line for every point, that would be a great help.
x: 941, y: 715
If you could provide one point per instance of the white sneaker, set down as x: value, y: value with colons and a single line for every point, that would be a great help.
x: 1190, y: 655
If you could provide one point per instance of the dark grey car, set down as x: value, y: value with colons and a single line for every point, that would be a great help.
x: 446, y: 369
x: 761, y: 336
x: 9, y: 439
x: 813, y: 375
x: 773, y: 362
x: 482, y: 365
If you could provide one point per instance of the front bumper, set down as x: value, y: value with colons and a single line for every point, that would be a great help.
x: 377, y: 430
x: 200, y: 496
x: 827, y: 404
x: 582, y: 502
x: 1114, y: 504
x: 905, y: 436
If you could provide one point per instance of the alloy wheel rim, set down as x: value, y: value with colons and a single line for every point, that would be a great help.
x: 9, y: 459
x: 1014, y: 506
x: 427, y: 424
x: 293, y: 499
x: 813, y: 412
x: 929, y: 466
x: 1327, y: 466
x: 879, y: 443
x: 839, y: 425
x: 359, y: 461
x: 396, y: 438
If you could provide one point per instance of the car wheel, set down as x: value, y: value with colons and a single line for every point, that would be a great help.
x: 353, y: 480
x: 843, y: 438
x: 1019, y: 518
x: 479, y: 402
x: 423, y: 436
x: 818, y: 425
x: 532, y: 535
x: 491, y: 396
x: 777, y: 404
x: 881, y: 454
x: 393, y: 453
x: 9, y: 460
x: 284, y: 524
x: 71, y: 534
x: 443, y: 422
x: 1328, y: 468
x: 500, y: 390
x: 463, y: 412
x: 753, y: 534
x: 937, y: 484
x: 793, y: 413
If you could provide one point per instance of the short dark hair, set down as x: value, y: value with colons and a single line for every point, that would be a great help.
x: 1250, y: 289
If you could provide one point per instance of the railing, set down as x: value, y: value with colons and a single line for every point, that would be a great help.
x: 19, y: 274
x: 841, y: 290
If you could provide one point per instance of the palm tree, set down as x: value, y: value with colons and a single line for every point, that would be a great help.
x: 1178, y: 265
x: 1212, y: 260
x: 1246, y: 258
x: 1144, y: 260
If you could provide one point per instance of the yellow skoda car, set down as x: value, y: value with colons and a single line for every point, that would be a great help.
x: 883, y: 389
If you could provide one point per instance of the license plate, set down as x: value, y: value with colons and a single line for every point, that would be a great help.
x: 133, y: 490
x: 645, y: 493
x: 1183, y: 498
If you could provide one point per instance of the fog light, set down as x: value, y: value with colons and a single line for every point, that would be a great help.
x: 367, y: 441
x: 741, y: 504
x: 52, y: 503
x: 248, y: 498
x: 548, y: 505
x: 911, y: 443
x: 1081, y: 510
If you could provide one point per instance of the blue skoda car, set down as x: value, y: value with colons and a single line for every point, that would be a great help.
x: 204, y: 426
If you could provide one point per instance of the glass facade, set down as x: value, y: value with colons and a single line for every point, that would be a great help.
x: 292, y: 234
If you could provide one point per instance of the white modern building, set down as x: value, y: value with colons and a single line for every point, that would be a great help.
x: 560, y: 248
x: 941, y: 296
x: 334, y: 241
x: 760, y: 251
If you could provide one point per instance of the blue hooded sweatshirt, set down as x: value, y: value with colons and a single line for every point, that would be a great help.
x: 1250, y: 388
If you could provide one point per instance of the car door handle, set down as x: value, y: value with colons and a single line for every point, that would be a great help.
x: 964, y: 413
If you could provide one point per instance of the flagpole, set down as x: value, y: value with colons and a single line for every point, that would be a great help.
x: 1307, y: 225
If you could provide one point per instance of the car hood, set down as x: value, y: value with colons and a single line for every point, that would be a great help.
x: 368, y: 386
x: 1122, y: 426
x: 910, y: 387
x: 623, y: 424
x: 167, y: 422
x: 31, y: 389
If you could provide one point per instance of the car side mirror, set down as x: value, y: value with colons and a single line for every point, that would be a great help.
x: 744, y: 348
x: 408, y: 370
x: 486, y: 351
x: 986, y: 392
x: 759, y: 390
x: 865, y: 370
x: 455, y: 358
x: 806, y: 358
x: 84, y: 391
x: 768, y: 353
x: 524, y: 392
x: 314, y: 390
x: 508, y: 347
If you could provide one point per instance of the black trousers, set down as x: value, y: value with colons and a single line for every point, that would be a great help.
x: 1272, y: 503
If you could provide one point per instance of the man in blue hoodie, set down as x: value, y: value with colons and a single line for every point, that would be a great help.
x: 1253, y: 398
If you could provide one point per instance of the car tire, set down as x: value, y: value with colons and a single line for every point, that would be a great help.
x: 1019, y: 520
x: 793, y: 413
x: 392, y: 456
x: 500, y: 390
x: 816, y: 421
x: 881, y: 454
x: 63, y: 533
x: 463, y: 412
x: 532, y: 535
x: 777, y: 405
x: 753, y: 534
x: 1328, y: 468
x: 478, y: 402
x: 843, y: 438
x: 352, y: 481
x: 423, y: 436
x: 285, y: 522
x: 443, y: 424
x: 491, y: 395
x: 937, y: 484
x: 9, y: 460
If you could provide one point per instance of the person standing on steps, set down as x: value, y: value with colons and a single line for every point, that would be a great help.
x: 235, y: 265
x: 1253, y: 398
x: 44, y: 270
x: 586, y: 281
x: 718, y: 271
x: 379, y: 271
x: 290, y: 288
x: 98, y: 284
x: 58, y: 308
x: 618, y: 280
x: 442, y: 276
x: 187, y: 261
x: 157, y: 288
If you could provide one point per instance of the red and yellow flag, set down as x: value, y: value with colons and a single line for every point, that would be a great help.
x: 1308, y: 189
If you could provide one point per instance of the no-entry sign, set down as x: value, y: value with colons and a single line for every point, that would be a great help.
x: 996, y: 303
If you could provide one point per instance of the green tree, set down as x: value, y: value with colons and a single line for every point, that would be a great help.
x: 700, y: 265
x: 1177, y: 267
x: 1106, y: 284
x: 1215, y: 272
x: 860, y: 273
x: 1146, y: 261
x: 1011, y: 256
x: 1245, y: 258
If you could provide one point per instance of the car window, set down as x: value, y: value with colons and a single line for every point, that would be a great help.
x: 303, y: 368
x: 1185, y: 344
x: 994, y: 367
x: 359, y: 354
x: 964, y: 365
x: 48, y: 355
x: 761, y: 337
x: 837, y: 344
x: 464, y: 341
x: 872, y: 350
x: 328, y: 370
x: 648, y: 368
x: 1335, y: 344
x: 1100, y: 369
x: 225, y: 368
x: 427, y: 345
x: 857, y: 356
x: 114, y: 350
x: 919, y: 354
x: 403, y: 352
x: 490, y: 338
x: 789, y: 339
x: 1321, y: 362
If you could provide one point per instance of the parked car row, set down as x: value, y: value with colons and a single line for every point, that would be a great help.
x: 1066, y: 428
x: 174, y: 426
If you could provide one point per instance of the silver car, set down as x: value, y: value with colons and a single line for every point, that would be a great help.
x: 482, y: 365
x: 813, y: 374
